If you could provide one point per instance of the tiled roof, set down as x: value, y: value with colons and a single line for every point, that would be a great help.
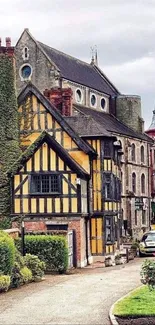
x: 86, y: 126
x: 79, y: 71
x: 111, y: 123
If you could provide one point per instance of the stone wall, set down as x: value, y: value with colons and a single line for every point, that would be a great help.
x: 128, y: 110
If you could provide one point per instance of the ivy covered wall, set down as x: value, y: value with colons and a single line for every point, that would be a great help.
x: 9, y: 134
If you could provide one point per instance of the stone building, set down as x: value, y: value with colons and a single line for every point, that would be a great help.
x: 97, y: 100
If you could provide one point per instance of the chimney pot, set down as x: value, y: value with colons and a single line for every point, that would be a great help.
x: 8, y: 41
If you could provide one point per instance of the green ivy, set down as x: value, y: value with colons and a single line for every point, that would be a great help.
x: 7, y: 253
x: 9, y: 129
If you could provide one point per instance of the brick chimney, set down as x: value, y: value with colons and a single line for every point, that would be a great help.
x: 8, y: 49
x: 61, y: 98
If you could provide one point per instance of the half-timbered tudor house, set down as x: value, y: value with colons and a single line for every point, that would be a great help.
x: 62, y: 181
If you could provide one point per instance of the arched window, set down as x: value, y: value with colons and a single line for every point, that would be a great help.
x: 133, y: 182
x: 142, y: 153
x: 143, y: 183
x: 133, y: 152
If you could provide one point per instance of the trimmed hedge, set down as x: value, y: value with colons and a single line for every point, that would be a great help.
x: 50, y: 249
x: 36, y: 266
x: 4, y: 282
x: 7, y: 253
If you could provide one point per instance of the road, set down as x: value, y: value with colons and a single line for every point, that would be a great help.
x: 81, y: 298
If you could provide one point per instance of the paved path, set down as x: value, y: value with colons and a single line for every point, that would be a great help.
x: 83, y: 298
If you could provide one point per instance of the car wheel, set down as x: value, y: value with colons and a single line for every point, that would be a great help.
x: 141, y: 254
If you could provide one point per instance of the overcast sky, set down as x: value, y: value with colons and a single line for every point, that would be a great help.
x: 124, y: 32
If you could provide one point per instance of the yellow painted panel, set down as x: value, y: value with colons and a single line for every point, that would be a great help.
x: 105, y: 164
x: 115, y: 206
x: 81, y: 158
x: 58, y: 136
x: 106, y: 206
x: 17, y: 205
x: 25, y: 206
x: 73, y: 144
x: 53, y: 160
x: 94, y: 181
x: 37, y: 160
x: 29, y: 165
x: 33, y: 206
x: 95, y: 201
x: 34, y: 103
x: 98, y: 164
x: 73, y: 181
x: 107, y: 249
x: 99, y: 246
x: 110, y: 205
x: 99, y: 200
x: 93, y: 246
x: 98, y: 176
x: 16, y: 181
x: 94, y: 144
x: 98, y: 147
x: 67, y: 141
x: 65, y: 205
x: 93, y: 227
x: 109, y: 164
x: 99, y: 227
x: 42, y: 108
x: 45, y: 157
x: 25, y: 187
x: 41, y: 205
x: 49, y: 205
x: 49, y: 121
x: 57, y: 205
x: 65, y: 187
x: 68, y: 168
x: 35, y: 122
x: 42, y: 121
x: 57, y: 126
x: 111, y: 249
x: 74, y: 204
x: 61, y: 164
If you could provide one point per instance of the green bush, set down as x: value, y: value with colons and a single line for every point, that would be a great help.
x: 7, y: 253
x: 50, y: 249
x: 4, y: 282
x: 148, y: 273
x: 36, y: 266
x: 16, y: 276
x: 26, y: 275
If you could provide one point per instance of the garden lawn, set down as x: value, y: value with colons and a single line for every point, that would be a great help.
x: 141, y: 302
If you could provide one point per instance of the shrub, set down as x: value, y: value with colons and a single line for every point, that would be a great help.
x: 7, y: 253
x: 26, y: 275
x: 148, y: 273
x: 4, y: 282
x: 16, y: 276
x: 50, y: 249
x: 36, y: 266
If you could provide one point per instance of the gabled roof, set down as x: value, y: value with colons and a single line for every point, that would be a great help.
x: 111, y: 123
x: 80, y: 72
x: 31, y: 89
x: 62, y: 153
x: 86, y: 126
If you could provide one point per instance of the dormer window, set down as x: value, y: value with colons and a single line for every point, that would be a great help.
x: 93, y: 100
x: 78, y: 95
x: 103, y: 102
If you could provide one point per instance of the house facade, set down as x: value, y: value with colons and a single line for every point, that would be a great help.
x: 89, y: 93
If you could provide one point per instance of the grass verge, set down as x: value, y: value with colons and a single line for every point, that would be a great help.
x: 141, y: 302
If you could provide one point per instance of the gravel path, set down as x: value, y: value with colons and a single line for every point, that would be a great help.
x: 82, y: 298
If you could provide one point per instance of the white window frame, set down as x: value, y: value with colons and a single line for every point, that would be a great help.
x: 92, y: 94
x: 20, y: 72
x: 78, y: 102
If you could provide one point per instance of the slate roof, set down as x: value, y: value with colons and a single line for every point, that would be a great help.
x: 79, y: 71
x: 86, y: 126
x: 111, y: 123
x: 63, y: 154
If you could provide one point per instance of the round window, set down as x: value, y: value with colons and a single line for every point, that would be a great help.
x: 26, y: 71
x: 103, y: 103
x: 78, y: 96
x: 93, y: 100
